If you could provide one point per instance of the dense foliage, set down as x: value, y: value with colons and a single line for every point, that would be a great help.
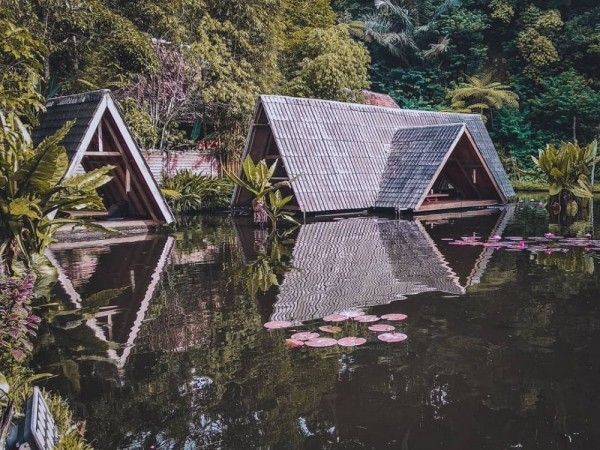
x: 187, y: 192
x: 192, y: 69
x: 546, y: 52
x: 188, y: 70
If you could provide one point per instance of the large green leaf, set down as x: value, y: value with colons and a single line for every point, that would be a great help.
x: 24, y: 207
x: 48, y: 165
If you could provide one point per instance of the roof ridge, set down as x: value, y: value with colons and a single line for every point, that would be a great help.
x: 77, y: 98
x: 365, y: 105
x: 453, y: 124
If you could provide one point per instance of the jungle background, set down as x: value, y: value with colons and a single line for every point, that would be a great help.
x: 190, y: 70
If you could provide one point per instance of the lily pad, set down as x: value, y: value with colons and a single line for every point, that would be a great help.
x: 304, y: 336
x: 277, y: 324
x: 378, y: 327
x: 330, y: 329
x: 335, y: 318
x: 394, y: 317
x: 351, y: 341
x: 366, y: 319
x: 351, y: 314
x: 392, y: 337
x: 321, y: 342
x: 294, y: 343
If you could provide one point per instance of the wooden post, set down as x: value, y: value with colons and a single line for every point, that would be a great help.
x: 99, y: 137
x: 127, y: 180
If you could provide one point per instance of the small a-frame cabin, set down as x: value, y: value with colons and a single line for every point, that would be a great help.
x: 350, y: 157
x: 99, y: 137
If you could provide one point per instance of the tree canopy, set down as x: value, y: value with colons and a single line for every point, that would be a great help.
x: 425, y: 54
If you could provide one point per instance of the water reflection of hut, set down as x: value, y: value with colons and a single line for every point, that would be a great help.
x: 362, y: 262
x: 134, y: 263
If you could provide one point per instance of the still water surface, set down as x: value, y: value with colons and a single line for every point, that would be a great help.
x: 502, y: 352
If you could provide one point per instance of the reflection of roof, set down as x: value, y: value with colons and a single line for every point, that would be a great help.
x: 359, y: 262
x: 362, y: 262
x: 134, y: 262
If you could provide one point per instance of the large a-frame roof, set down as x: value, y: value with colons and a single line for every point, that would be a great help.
x: 87, y: 110
x: 339, y: 150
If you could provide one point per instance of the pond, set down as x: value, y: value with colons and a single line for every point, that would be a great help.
x: 502, y: 349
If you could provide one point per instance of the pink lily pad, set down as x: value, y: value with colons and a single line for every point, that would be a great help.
x: 330, y: 329
x: 351, y: 314
x: 321, y: 342
x: 392, y: 337
x: 351, y: 341
x: 304, y: 336
x: 394, y: 317
x: 335, y: 318
x: 277, y: 324
x: 366, y: 319
x: 294, y: 343
x: 378, y: 327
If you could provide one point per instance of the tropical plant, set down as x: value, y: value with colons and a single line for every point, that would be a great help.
x: 257, y: 181
x: 390, y: 26
x: 568, y: 169
x: 277, y: 203
x: 480, y: 94
x: 34, y: 190
x: 189, y: 192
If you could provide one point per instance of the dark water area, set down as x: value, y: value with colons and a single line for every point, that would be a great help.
x: 502, y: 351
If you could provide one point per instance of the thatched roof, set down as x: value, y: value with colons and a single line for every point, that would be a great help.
x: 339, y: 151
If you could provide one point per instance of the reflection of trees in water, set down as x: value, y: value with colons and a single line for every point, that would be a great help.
x: 204, y: 369
x: 508, y: 363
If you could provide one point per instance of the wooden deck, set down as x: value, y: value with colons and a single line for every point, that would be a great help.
x: 442, y: 205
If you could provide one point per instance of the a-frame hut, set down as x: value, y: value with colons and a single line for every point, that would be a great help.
x: 100, y: 137
x: 346, y: 156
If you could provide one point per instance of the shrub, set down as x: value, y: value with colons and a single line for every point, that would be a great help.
x: 189, y: 192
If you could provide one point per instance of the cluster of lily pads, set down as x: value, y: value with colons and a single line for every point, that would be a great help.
x: 385, y: 331
x: 549, y: 243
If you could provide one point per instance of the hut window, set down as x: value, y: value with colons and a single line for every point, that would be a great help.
x: 474, y: 176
